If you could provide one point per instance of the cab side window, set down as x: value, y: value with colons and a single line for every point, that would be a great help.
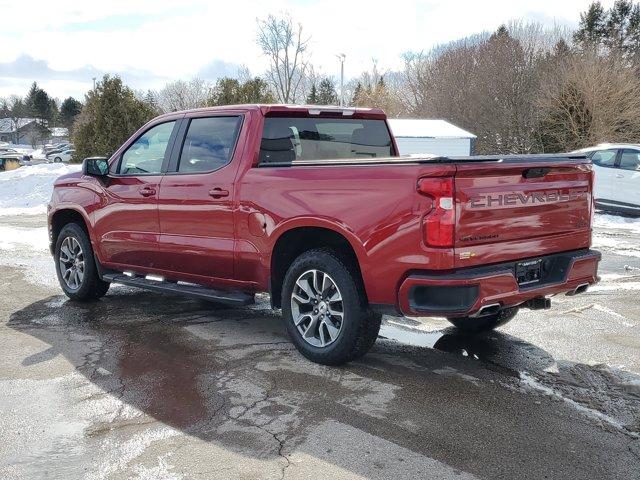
x: 605, y: 158
x: 630, y: 160
x: 147, y: 154
x: 209, y: 144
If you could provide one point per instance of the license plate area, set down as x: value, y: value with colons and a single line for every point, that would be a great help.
x: 529, y: 272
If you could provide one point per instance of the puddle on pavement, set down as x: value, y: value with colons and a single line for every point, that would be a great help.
x: 510, y: 354
x: 417, y: 338
x: 606, y: 394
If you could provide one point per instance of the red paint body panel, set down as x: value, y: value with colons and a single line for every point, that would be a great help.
x: 183, y: 233
x: 500, y: 214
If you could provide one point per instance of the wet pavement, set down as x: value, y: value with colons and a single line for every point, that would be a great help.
x: 141, y: 385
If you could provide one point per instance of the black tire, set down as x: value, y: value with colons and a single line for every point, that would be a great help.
x: 91, y: 287
x: 57, y: 160
x: 486, y: 323
x: 359, y: 326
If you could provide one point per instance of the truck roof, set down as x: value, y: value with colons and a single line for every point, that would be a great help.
x: 284, y: 109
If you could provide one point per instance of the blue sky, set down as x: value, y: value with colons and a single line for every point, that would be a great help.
x: 62, y: 44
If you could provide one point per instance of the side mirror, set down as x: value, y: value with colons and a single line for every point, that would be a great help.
x: 95, y: 166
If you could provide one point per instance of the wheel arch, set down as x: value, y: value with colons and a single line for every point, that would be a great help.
x: 299, y: 238
x: 64, y: 216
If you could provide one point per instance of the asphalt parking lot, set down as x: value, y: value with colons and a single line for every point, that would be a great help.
x: 140, y: 385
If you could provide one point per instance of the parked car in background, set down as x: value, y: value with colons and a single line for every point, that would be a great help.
x: 10, y: 160
x: 50, y: 147
x: 52, y: 154
x: 617, y: 169
x: 61, y: 157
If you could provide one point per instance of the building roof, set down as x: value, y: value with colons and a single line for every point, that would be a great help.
x: 59, y: 132
x: 426, y: 128
x: 7, y: 125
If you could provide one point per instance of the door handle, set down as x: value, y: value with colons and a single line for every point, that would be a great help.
x: 619, y: 175
x: 218, y: 192
x: 147, y: 191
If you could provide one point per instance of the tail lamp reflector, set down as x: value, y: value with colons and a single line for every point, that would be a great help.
x: 439, y: 223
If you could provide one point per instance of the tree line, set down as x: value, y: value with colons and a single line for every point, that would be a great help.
x: 39, y: 105
x: 524, y: 88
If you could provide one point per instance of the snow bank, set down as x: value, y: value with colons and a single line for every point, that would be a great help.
x: 27, y: 190
x: 31, y: 238
x: 603, y: 220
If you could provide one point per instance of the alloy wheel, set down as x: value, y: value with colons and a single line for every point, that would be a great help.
x: 71, y: 260
x: 317, y: 309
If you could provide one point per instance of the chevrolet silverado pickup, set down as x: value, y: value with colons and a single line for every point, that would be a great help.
x: 314, y: 206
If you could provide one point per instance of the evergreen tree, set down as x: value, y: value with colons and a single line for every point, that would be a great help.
x: 312, y: 98
x: 69, y: 110
x: 592, y: 27
x: 614, y: 31
x: 111, y: 114
x: 151, y: 100
x: 357, y: 95
x: 230, y: 91
x: 256, y: 90
x: 227, y: 92
x: 54, y: 112
x: 327, y: 93
x: 39, y: 104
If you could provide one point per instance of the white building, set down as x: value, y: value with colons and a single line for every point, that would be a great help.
x: 435, y: 137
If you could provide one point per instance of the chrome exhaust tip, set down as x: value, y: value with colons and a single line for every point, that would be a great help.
x: 579, y: 289
x: 490, y: 309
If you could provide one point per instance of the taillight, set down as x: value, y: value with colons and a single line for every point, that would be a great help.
x: 439, y: 224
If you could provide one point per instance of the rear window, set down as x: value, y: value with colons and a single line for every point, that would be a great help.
x: 286, y: 139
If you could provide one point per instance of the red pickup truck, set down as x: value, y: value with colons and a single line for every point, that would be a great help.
x: 313, y: 205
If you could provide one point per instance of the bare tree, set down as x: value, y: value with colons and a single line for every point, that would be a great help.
x: 182, y: 95
x: 376, y: 89
x: 484, y: 85
x: 587, y: 99
x: 537, y: 38
x: 282, y: 42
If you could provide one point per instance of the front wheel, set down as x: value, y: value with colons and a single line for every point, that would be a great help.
x: 57, y: 160
x: 75, y: 265
x: 325, y: 309
x: 486, y: 323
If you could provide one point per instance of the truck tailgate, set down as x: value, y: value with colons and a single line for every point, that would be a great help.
x: 515, y: 210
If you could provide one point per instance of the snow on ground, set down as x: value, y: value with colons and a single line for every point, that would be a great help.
x: 28, y: 150
x: 31, y: 238
x: 617, y: 234
x: 614, y: 245
x: 608, y: 221
x: 27, y: 190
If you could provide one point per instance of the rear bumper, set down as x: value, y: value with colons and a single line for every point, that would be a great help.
x: 467, y: 291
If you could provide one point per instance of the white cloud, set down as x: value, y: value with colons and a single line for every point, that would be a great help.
x: 169, y: 40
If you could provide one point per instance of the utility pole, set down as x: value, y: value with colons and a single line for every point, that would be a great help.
x: 94, y: 83
x: 341, y: 57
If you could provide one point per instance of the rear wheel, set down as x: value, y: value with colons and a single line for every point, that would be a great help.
x: 486, y: 323
x: 325, y: 309
x: 75, y: 265
x: 57, y: 160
